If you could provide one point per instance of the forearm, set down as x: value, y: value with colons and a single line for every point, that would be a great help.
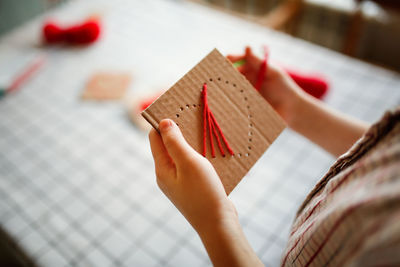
x: 227, y: 245
x: 330, y: 129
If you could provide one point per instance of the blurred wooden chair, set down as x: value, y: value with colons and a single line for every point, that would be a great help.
x: 276, y: 14
x: 357, y: 23
x: 283, y: 17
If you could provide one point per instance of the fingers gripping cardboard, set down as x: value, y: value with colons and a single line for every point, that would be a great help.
x: 248, y: 122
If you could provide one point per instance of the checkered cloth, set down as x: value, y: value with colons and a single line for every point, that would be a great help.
x: 352, y: 215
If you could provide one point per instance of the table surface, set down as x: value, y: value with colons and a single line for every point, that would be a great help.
x: 77, y: 184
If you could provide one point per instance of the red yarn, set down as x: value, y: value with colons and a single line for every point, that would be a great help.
x: 210, y: 121
x: 262, y: 71
x: 147, y: 102
x: 52, y: 33
x: 205, y: 112
x: 83, y: 33
x: 210, y: 126
x: 315, y: 85
x: 222, y: 135
x: 218, y: 140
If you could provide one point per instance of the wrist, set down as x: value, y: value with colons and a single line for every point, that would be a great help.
x: 226, y: 243
x: 301, y: 110
x: 295, y: 106
x: 225, y: 217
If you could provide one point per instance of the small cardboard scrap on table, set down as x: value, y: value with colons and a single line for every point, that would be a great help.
x: 106, y: 86
x: 248, y: 122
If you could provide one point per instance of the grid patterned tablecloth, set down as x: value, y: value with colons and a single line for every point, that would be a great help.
x: 77, y: 185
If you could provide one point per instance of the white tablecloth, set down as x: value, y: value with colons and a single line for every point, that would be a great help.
x: 77, y: 186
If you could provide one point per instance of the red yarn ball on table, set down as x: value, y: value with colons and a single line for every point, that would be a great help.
x: 85, y: 33
x: 52, y: 33
x: 315, y: 85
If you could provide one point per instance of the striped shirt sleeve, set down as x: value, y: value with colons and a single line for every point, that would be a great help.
x: 351, y: 217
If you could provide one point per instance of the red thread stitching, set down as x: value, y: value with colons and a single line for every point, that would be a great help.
x: 222, y: 135
x: 210, y: 124
x: 205, y: 105
x: 209, y: 119
x: 218, y: 140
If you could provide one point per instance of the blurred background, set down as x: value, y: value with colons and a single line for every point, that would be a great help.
x: 364, y: 29
x: 77, y: 182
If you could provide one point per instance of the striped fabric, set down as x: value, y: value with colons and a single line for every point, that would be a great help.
x: 352, y: 216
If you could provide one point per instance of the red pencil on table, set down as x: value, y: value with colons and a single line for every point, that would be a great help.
x: 23, y: 77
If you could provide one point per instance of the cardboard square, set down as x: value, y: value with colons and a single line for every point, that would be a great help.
x: 248, y: 122
x: 106, y: 86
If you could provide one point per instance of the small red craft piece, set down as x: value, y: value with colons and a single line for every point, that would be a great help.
x: 52, y: 33
x: 212, y: 124
x: 79, y: 34
x: 315, y: 85
x: 148, y: 101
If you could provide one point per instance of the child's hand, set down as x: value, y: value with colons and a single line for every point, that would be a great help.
x: 278, y: 88
x: 191, y: 183
x: 303, y: 113
x: 188, y: 179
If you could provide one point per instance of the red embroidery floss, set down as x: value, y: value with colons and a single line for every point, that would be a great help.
x: 79, y: 34
x: 222, y: 135
x: 212, y: 124
x: 205, y: 107
x: 262, y: 70
x: 315, y: 85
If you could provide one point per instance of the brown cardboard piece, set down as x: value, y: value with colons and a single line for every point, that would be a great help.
x: 248, y: 122
x: 106, y: 86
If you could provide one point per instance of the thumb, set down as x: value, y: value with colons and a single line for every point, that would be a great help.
x: 251, y: 58
x: 173, y: 140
